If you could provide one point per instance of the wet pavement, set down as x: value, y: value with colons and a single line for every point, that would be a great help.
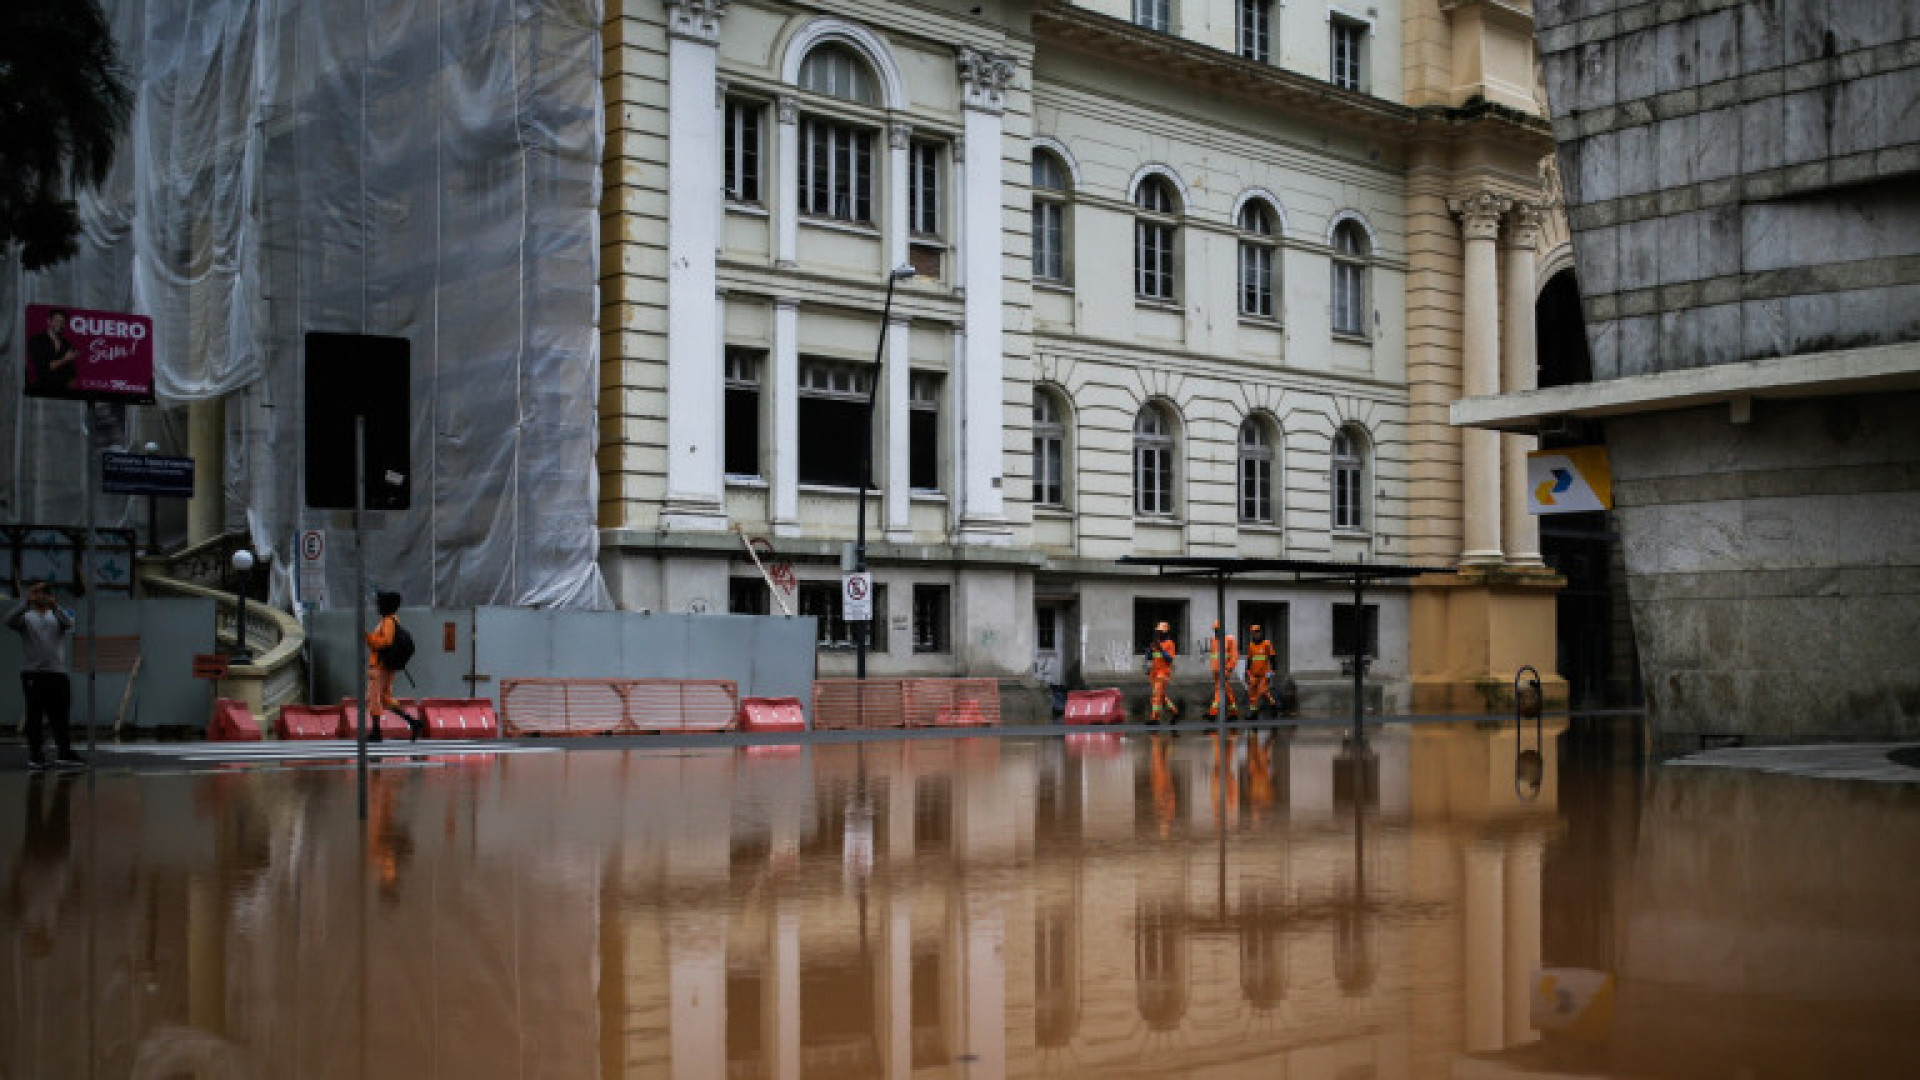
x: 1276, y: 904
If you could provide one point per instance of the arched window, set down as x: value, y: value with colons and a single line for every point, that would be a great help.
x: 1256, y: 259
x: 1256, y: 471
x: 1154, y: 231
x: 838, y: 71
x: 1350, y: 254
x: 836, y: 156
x: 1153, y: 463
x: 1049, y: 217
x: 1349, y: 468
x: 1049, y: 449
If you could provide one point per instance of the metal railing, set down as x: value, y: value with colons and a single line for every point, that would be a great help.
x: 275, y: 639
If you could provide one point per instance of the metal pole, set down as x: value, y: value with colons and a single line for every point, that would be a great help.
x: 1359, y: 627
x: 866, y: 467
x: 86, y: 572
x: 360, y: 595
x: 1220, y: 654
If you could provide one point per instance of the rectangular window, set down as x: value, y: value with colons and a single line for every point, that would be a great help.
x: 924, y: 188
x: 836, y: 170
x: 747, y: 596
x: 1348, y: 61
x: 1344, y: 625
x: 1346, y: 496
x: 821, y: 601
x: 1153, y: 479
x: 743, y: 413
x: 1349, y: 299
x: 743, y: 150
x: 1256, y: 30
x: 1153, y: 258
x: 1148, y: 614
x: 1256, y: 280
x: 1049, y: 240
x: 1256, y: 488
x: 833, y: 422
x: 923, y: 431
x: 1049, y: 467
x: 930, y: 618
x: 1153, y: 14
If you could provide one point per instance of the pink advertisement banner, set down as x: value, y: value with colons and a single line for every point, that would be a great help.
x: 88, y: 355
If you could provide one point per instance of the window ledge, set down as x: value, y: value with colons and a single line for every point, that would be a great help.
x: 1156, y: 304
x: 1351, y: 534
x: 1055, y: 511
x: 852, y: 228
x: 1264, y: 322
x: 748, y: 209
x: 927, y: 495
x: 1144, y: 519
x: 1263, y: 528
x: 1352, y: 339
x: 740, y: 480
x: 1053, y: 285
x: 834, y: 489
x: 928, y: 240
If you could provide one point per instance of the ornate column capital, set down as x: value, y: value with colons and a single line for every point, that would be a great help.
x: 984, y: 78
x: 695, y: 20
x: 1480, y: 214
x: 899, y: 135
x: 787, y: 109
x: 1523, y: 224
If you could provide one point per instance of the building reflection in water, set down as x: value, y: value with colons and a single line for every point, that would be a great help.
x: 1276, y: 903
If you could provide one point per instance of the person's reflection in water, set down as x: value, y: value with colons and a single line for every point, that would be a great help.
x: 1259, y: 774
x: 1166, y: 802
x: 1226, y: 780
x: 389, y: 846
x: 43, y: 880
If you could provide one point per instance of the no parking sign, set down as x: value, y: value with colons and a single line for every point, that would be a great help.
x: 313, y: 576
x: 856, y: 597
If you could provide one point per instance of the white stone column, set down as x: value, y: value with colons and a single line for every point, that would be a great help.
x: 1523, y: 936
x: 1480, y: 373
x: 695, y: 386
x: 1483, y: 888
x: 785, y: 196
x: 899, y: 446
x: 899, y: 140
x: 783, y: 383
x: 1520, y: 373
x: 984, y: 79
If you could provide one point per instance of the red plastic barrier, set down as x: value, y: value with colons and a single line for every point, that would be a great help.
x: 616, y: 706
x: 772, y: 714
x: 307, y: 722
x: 1096, y: 707
x: 232, y: 722
x: 951, y: 702
x: 1095, y: 743
x: 391, y: 725
x: 460, y: 718
x: 841, y: 704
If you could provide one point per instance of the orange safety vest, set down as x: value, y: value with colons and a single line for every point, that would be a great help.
x: 1213, y: 655
x: 1162, y: 652
x: 1260, y: 657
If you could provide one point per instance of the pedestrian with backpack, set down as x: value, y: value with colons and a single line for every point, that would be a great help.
x: 389, y: 648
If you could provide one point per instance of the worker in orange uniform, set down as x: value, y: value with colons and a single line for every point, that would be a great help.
x: 1232, y: 646
x: 379, y: 678
x: 1160, y: 655
x: 1259, y: 671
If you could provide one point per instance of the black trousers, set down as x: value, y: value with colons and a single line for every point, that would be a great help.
x: 49, y: 699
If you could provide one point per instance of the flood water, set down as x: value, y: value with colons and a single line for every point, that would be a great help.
x: 1092, y: 905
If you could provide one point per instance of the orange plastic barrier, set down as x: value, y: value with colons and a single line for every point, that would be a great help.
x: 1096, y: 707
x: 1095, y: 743
x: 232, y: 722
x: 391, y: 726
x: 307, y: 722
x: 459, y: 718
x: 856, y: 704
x: 772, y: 714
x: 616, y: 706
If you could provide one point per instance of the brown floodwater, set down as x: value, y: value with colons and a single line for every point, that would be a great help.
x: 1089, y: 905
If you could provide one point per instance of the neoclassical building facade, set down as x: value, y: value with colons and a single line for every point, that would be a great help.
x: 1124, y: 278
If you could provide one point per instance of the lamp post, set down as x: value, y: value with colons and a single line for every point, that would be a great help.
x: 243, y: 563
x: 153, y: 507
x: 897, y: 274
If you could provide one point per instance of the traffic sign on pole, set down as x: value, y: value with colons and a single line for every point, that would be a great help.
x: 856, y: 597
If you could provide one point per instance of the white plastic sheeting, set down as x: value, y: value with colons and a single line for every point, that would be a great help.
x: 427, y: 169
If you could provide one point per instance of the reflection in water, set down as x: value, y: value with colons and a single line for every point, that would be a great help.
x: 1265, y: 904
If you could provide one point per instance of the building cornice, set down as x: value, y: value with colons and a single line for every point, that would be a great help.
x: 1060, y: 24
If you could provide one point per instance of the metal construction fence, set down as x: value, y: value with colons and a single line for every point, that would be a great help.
x: 852, y: 704
x: 616, y: 706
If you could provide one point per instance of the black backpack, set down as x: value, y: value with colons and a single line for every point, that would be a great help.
x: 395, y: 656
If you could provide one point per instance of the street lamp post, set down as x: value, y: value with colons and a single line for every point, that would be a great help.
x: 897, y: 274
x: 243, y: 563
